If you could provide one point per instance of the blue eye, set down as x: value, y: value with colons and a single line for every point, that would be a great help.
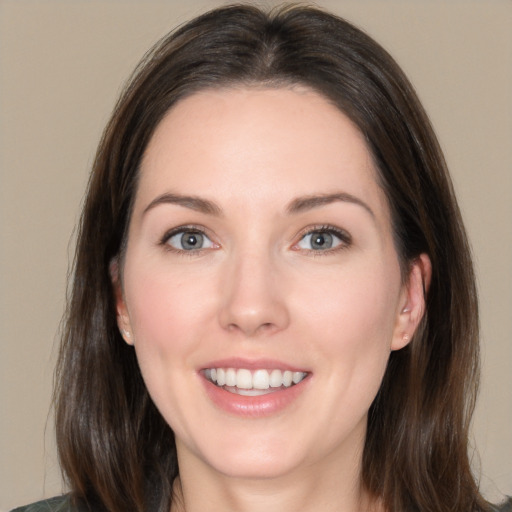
x: 189, y: 240
x: 322, y: 240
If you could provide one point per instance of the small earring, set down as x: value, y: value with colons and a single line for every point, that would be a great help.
x: 127, y: 334
x: 406, y: 310
x: 405, y: 337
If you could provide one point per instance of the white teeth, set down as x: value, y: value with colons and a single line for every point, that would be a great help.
x: 231, y: 377
x: 221, y: 377
x: 249, y: 392
x: 297, y: 377
x: 260, y: 379
x: 276, y: 379
x: 243, y: 379
x: 250, y: 381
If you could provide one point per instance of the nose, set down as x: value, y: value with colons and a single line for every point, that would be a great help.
x: 253, y: 297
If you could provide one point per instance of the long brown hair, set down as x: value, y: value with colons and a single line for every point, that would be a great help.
x: 116, y: 450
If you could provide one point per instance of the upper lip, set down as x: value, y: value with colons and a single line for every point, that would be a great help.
x: 253, y: 364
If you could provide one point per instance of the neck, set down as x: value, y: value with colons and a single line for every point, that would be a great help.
x: 333, y: 487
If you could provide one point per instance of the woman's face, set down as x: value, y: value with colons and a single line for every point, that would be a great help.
x: 261, y: 287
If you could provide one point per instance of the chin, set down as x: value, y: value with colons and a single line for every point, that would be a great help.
x: 256, y: 469
x: 252, y: 458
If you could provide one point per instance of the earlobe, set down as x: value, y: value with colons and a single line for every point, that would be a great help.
x: 412, y: 308
x: 123, y: 320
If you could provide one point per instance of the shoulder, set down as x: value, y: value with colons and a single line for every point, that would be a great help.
x: 506, y: 506
x: 57, y: 504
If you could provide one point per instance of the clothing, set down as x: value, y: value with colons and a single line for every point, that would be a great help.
x: 506, y: 506
x: 57, y: 504
x: 62, y: 504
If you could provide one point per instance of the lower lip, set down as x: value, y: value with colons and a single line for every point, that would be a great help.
x: 254, y: 406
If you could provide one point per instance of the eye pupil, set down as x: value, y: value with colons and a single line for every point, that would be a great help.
x: 321, y: 240
x: 191, y: 240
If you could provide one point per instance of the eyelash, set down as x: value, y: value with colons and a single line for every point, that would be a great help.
x: 190, y: 228
x: 344, y: 238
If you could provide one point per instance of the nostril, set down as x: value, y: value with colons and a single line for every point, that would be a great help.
x: 267, y: 327
x: 252, y: 330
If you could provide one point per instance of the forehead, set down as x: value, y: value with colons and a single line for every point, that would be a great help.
x: 264, y: 144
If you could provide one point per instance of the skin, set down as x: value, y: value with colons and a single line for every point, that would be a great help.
x: 257, y: 289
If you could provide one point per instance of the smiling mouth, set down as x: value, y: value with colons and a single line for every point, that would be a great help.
x: 253, y: 382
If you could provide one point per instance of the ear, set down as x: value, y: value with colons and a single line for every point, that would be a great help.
x: 412, y: 303
x: 123, y: 319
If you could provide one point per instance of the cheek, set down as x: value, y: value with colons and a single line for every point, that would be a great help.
x: 166, y: 309
x: 167, y: 312
x: 355, y: 303
x: 168, y: 323
x: 351, y: 319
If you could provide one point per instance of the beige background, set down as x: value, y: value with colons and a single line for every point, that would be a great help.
x: 61, y: 67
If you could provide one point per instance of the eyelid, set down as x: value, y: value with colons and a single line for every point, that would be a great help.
x: 193, y: 228
x: 343, y: 235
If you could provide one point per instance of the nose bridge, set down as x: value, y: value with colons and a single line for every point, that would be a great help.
x: 252, y: 299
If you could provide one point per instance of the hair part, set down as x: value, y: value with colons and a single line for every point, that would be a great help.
x: 116, y: 451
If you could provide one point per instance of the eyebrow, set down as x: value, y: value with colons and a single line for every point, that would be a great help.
x: 302, y: 204
x: 298, y: 205
x: 193, y: 202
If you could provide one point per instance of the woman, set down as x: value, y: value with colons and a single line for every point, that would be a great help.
x: 273, y: 301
